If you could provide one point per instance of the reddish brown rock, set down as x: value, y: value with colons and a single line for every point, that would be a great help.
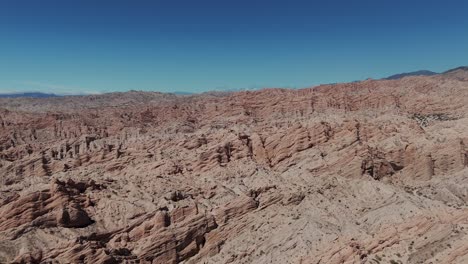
x: 343, y: 173
x: 61, y: 205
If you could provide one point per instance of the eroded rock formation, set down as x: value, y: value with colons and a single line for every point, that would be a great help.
x: 365, y: 172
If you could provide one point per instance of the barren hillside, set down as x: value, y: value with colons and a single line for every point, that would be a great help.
x: 365, y: 172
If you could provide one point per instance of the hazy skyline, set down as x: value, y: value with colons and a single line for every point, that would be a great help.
x: 102, y: 46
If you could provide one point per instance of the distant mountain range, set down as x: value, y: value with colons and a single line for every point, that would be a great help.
x: 406, y: 74
x: 458, y: 73
x: 28, y: 94
x: 182, y: 93
x: 463, y: 69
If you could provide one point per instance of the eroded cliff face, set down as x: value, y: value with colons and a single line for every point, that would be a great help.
x: 368, y: 172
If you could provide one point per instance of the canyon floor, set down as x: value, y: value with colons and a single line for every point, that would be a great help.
x: 366, y: 172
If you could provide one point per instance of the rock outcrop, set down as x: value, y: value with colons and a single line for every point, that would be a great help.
x: 364, y: 172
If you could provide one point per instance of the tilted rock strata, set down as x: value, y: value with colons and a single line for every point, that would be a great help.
x: 366, y: 172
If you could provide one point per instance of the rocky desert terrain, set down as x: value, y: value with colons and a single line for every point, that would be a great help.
x: 366, y: 172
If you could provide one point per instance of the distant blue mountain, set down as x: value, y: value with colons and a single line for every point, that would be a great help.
x: 182, y: 93
x: 406, y: 74
x: 462, y: 68
x: 28, y: 94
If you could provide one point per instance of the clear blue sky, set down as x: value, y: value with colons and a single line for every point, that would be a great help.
x: 177, y: 45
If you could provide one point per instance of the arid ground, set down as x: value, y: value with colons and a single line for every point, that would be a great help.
x: 364, y: 172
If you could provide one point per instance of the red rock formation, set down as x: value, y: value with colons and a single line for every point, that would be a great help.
x: 62, y: 205
x: 343, y: 173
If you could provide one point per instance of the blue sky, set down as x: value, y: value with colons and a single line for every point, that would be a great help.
x: 101, y: 46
